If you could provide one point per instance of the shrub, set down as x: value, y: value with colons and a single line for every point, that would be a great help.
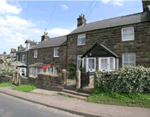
x: 128, y: 79
x: 71, y: 71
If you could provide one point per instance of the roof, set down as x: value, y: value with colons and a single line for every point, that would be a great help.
x: 118, y: 21
x: 56, y: 41
x: 41, y: 65
x: 100, y: 53
x: 3, y: 55
x: 30, y: 41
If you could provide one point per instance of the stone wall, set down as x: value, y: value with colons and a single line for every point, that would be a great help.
x: 112, y: 39
x: 5, y: 78
x: 47, y: 55
x: 49, y: 82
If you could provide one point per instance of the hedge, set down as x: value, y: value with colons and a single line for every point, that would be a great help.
x: 128, y: 79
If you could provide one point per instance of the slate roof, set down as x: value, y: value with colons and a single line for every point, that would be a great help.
x: 30, y: 41
x: 56, y: 41
x: 38, y: 65
x: 118, y: 21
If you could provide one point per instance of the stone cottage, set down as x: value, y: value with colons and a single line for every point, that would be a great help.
x: 48, y: 55
x: 22, y: 56
x: 109, y: 44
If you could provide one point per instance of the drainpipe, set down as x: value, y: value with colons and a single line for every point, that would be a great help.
x: 66, y: 56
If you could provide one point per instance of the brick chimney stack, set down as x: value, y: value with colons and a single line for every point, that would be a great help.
x: 145, y: 5
x: 81, y: 20
x: 20, y: 48
x: 45, y: 36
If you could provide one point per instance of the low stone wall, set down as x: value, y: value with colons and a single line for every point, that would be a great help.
x: 5, y: 78
x: 49, y: 82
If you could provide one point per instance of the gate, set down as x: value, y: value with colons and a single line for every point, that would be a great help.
x: 84, y: 79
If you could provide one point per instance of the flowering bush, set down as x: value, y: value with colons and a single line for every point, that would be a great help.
x: 9, y: 66
x: 128, y: 79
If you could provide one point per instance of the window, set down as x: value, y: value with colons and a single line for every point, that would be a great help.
x: 56, y: 52
x: 128, y: 34
x: 129, y: 59
x: 54, y: 70
x: 107, y: 64
x: 23, y: 58
x: 79, y: 61
x: 81, y: 39
x: 91, y: 64
x: 35, y: 53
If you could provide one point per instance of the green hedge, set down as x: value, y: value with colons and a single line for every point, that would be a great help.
x: 128, y: 79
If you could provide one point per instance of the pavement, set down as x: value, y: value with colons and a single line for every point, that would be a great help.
x: 79, y: 107
x: 14, y: 107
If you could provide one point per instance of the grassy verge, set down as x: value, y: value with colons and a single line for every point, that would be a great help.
x: 25, y: 88
x: 113, y: 98
x: 5, y: 84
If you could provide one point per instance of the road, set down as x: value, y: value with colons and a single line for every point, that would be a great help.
x: 14, y: 107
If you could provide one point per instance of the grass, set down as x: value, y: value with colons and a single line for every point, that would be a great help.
x: 25, y: 88
x: 5, y: 84
x: 122, y: 99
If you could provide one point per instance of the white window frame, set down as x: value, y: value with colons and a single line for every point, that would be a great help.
x: 23, y: 58
x: 87, y: 61
x: 35, y: 53
x: 79, y: 37
x: 55, y: 51
x: 108, y: 60
x: 128, y: 56
x: 123, y: 34
x: 21, y: 71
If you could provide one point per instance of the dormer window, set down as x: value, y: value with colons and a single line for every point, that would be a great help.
x: 81, y: 39
x: 27, y: 45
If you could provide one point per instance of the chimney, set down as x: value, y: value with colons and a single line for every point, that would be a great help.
x: 4, y: 52
x: 12, y: 50
x: 81, y: 20
x: 20, y: 48
x: 44, y: 37
x: 145, y: 5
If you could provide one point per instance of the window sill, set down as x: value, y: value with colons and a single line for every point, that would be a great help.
x: 56, y: 56
x: 127, y: 40
x: 81, y: 45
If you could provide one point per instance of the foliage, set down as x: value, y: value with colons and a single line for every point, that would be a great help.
x: 5, y: 84
x: 25, y: 88
x: 83, y: 69
x: 114, y: 98
x: 71, y: 71
x: 128, y: 79
x: 9, y: 66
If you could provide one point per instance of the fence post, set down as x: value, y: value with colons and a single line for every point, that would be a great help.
x: 78, y: 79
x: 64, y: 77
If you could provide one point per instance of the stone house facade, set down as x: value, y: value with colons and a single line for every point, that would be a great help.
x: 50, y: 51
x: 127, y: 36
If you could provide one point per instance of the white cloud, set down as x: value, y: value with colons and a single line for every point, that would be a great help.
x: 65, y: 7
x: 6, y: 8
x: 115, y: 2
x: 57, y: 32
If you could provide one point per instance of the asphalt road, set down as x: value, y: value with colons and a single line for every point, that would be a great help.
x: 14, y: 107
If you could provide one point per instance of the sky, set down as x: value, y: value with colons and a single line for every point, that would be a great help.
x: 22, y: 19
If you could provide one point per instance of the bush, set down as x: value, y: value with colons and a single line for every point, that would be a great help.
x: 71, y: 71
x: 128, y: 79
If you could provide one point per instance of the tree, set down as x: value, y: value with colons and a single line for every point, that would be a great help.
x: 9, y: 66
